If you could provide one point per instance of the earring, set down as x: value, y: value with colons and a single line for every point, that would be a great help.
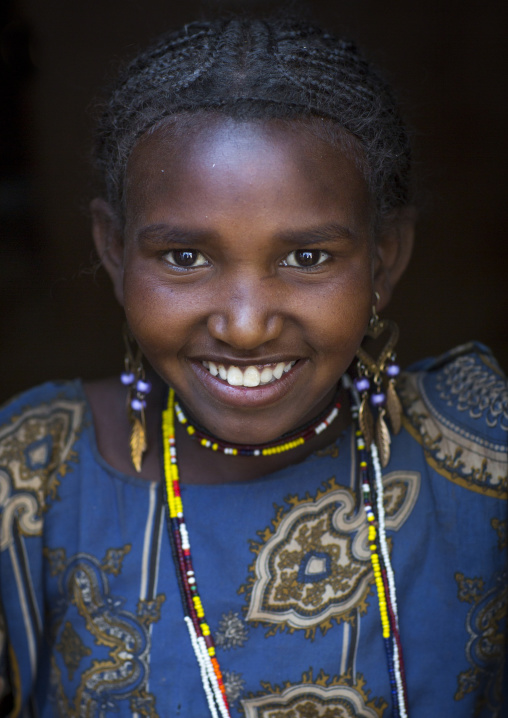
x: 376, y: 384
x: 133, y: 377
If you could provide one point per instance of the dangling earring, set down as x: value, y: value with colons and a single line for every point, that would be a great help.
x: 376, y: 385
x: 133, y: 377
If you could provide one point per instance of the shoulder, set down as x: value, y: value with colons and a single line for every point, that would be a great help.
x: 38, y: 432
x: 456, y: 407
x: 50, y: 414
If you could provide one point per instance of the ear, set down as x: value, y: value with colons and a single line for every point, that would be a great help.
x: 394, y: 247
x: 109, y: 243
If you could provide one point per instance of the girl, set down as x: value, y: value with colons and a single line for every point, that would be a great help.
x: 263, y: 529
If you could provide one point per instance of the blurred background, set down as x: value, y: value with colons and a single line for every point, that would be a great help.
x: 448, y: 61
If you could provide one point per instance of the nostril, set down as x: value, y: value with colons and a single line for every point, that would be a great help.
x: 244, y: 327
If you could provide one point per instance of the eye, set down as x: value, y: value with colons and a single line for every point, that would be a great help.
x: 305, y: 258
x: 185, y: 258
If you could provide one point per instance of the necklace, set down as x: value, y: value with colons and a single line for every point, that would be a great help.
x: 284, y: 443
x: 371, y: 480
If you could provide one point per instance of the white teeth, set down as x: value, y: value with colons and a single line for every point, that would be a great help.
x: 251, y: 376
x: 266, y: 375
x: 279, y: 369
x: 235, y: 376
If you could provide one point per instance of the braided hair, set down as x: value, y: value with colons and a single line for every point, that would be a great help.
x: 258, y: 69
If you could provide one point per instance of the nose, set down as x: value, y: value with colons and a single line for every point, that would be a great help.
x: 249, y: 314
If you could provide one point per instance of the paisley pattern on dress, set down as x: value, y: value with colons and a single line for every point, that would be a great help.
x: 312, y: 566
x: 101, y: 649
x: 322, y: 697
x: 486, y: 625
x: 36, y: 448
x: 435, y: 404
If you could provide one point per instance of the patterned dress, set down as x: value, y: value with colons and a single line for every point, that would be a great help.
x: 90, y: 614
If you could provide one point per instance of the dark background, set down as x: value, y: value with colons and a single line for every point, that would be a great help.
x: 449, y: 63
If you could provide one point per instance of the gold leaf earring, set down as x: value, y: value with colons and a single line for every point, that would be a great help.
x: 376, y: 385
x: 133, y: 377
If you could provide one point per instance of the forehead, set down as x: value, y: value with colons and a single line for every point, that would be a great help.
x: 273, y: 166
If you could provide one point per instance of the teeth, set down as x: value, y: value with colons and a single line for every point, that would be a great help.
x: 251, y: 376
x: 279, y: 369
x: 266, y: 375
x: 234, y: 376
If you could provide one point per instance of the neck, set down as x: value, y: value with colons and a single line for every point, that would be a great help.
x: 198, y: 465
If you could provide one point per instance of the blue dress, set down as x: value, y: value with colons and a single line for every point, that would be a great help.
x: 90, y: 614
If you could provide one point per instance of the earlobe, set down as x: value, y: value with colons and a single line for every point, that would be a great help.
x: 394, y: 247
x: 108, y: 241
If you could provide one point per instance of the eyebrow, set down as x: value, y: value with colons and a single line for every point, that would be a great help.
x: 313, y: 235
x: 164, y: 234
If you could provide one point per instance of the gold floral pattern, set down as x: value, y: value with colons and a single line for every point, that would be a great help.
x: 72, y: 649
x: 312, y: 566
x: 322, y: 697
x: 89, y: 621
x: 486, y: 625
x: 36, y: 450
x: 114, y: 558
x: 501, y: 528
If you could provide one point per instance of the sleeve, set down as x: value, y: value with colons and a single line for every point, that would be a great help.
x: 456, y: 408
x: 6, y: 703
x: 37, y: 432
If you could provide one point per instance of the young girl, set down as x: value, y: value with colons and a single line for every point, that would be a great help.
x: 262, y: 518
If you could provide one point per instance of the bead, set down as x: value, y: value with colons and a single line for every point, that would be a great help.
x: 277, y: 448
x: 138, y: 404
x: 143, y: 386
x: 378, y: 398
x: 393, y: 370
x: 362, y: 384
x: 199, y: 630
x: 127, y: 378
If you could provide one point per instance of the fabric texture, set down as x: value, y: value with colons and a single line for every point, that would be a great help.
x: 90, y: 615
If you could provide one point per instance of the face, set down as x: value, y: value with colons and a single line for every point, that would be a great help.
x: 247, y: 271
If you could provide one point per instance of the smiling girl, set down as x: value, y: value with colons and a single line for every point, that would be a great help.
x: 262, y: 518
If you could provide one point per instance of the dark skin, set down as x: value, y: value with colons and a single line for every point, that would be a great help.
x: 247, y: 244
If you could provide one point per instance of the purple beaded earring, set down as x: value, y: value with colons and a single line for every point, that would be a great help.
x: 133, y: 377
x: 376, y: 385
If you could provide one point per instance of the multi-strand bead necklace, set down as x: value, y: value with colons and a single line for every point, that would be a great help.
x: 373, y: 501
x: 194, y: 614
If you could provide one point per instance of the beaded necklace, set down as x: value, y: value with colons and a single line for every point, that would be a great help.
x: 194, y: 615
x: 284, y: 443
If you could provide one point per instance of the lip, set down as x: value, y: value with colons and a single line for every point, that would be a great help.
x: 243, y: 396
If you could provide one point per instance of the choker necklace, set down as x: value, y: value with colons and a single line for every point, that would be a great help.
x: 286, y: 442
x: 371, y: 481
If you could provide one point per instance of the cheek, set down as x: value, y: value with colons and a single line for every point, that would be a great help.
x: 155, y: 316
x: 339, y: 312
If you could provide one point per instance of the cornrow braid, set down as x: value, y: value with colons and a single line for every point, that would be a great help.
x: 255, y: 69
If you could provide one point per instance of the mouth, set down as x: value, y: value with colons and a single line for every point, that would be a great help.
x: 249, y: 376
